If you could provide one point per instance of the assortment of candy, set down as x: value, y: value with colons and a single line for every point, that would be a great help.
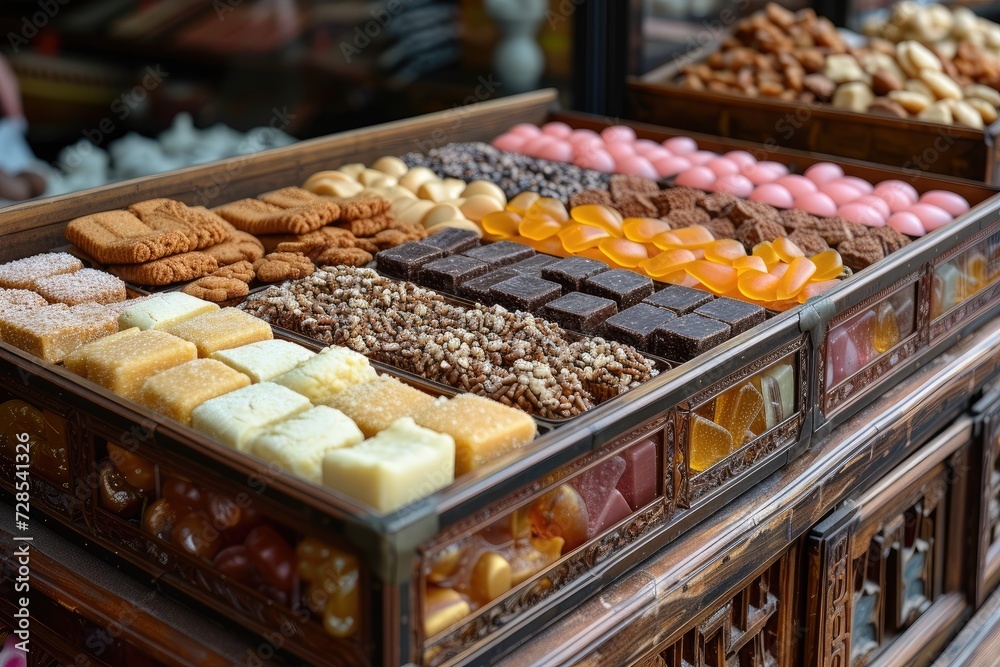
x: 865, y: 337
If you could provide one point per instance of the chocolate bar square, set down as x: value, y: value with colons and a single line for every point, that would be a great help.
x: 452, y: 240
x: 739, y: 315
x: 406, y: 260
x: 580, y: 312
x: 688, y: 336
x: 448, y: 273
x: 626, y: 288
x: 635, y: 326
x: 572, y: 271
x: 478, y: 289
x: 526, y: 293
x: 682, y: 300
x: 533, y: 265
x: 501, y: 253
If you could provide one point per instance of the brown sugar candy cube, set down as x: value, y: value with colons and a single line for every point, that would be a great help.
x: 53, y: 332
x: 22, y: 273
x: 483, y: 430
x: 124, y: 364
x: 20, y: 299
x: 177, y: 391
x: 83, y: 286
x: 220, y: 330
x: 375, y: 405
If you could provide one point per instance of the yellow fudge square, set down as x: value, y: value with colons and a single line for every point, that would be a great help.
x: 163, y: 310
x: 323, y: 376
x: 483, y: 429
x: 83, y: 286
x: 77, y: 361
x: 298, y: 444
x: 22, y: 273
x: 266, y: 360
x: 53, y: 332
x: 398, y: 466
x: 375, y: 405
x: 236, y: 418
x: 177, y: 391
x: 221, y: 330
x: 124, y: 364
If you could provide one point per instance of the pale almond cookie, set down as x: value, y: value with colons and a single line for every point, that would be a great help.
x: 265, y: 360
x: 942, y: 85
x: 476, y: 207
x: 939, y: 112
x: 856, y: 96
x: 964, y: 114
x: 353, y: 170
x: 982, y: 92
x: 299, y: 444
x: 843, y: 68
x: 911, y: 101
x: 336, y: 188
x: 236, y: 418
x: 330, y: 175
x: 987, y: 111
x: 918, y: 86
x: 485, y: 188
x: 391, y: 165
x: 416, y: 177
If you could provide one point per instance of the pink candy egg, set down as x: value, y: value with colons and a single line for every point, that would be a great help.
x: 585, y: 145
x: 816, y: 203
x: 598, y: 160
x: 681, y: 145
x: 701, y: 157
x: 773, y: 167
x: 645, y: 146
x: 796, y: 184
x: 840, y: 193
x: 534, y: 147
x: 584, y: 132
x: 671, y: 166
x: 859, y: 183
x: 722, y: 166
x: 773, y: 194
x: 618, y: 133
x: 949, y: 201
x: 698, y: 176
x: 620, y: 151
x: 823, y: 172
x: 907, y: 223
x: 737, y: 185
x: 526, y: 130
x: 509, y: 142
x: 931, y: 216
x: 557, y: 130
x: 875, y: 202
x: 658, y: 154
x: 740, y: 157
x: 863, y: 213
x: 763, y: 172
x: 638, y: 165
x: 557, y: 151
x: 897, y: 194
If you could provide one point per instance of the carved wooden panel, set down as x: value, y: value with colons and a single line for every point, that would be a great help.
x: 751, y: 629
x: 831, y: 588
x: 990, y: 509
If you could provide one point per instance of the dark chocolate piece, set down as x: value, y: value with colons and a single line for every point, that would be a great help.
x: 478, y: 289
x: 448, y: 273
x: 682, y: 300
x: 501, y: 253
x: 452, y: 240
x: 405, y: 261
x: 526, y: 293
x: 572, y: 271
x: 626, y: 288
x: 580, y: 312
x: 533, y: 265
x: 688, y: 336
x: 636, y: 325
x: 739, y: 315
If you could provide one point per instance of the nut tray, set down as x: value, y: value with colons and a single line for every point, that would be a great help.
x: 379, y: 571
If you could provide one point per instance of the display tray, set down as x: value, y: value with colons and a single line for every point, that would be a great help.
x: 915, y: 146
x: 389, y: 566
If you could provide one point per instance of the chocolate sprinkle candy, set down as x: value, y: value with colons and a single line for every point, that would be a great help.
x: 526, y: 293
x: 572, y: 271
x: 688, y: 336
x: 636, y: 325
x: 478, y: 289
x: 501, y: 253
x: 448, y: 273
x: 452, y: 240
x: 580, y: 312
x: 682, y: 300
x: 404, y: 261
x: 626, y: 288
x: 739, y: 315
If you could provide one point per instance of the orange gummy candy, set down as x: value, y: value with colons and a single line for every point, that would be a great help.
x: 596, y: 215
x: 577, y: 237
x: 643, y: 230
x: 668, y: 261
x: 750, y: 262
x: 501, y: 223
x: 679, y: 278
x: 758, y: 285
x: 778, y: 270
x: 725, y: 251
x: 624, y: 252
x: 695, y: 235
x: 829, y: 265
x: 798, y: 274
x: 767, y: 253
x: 667, y: 241
x: 595, y: 253
x: 539, y: 229
x: 816, y: 288
x: 716, y: 277
x: 741, y: 411
x: 709, y: 444
x: 547, y: 207
x: 522, y: 202
x: 786, y: 249
x: 550, y: 246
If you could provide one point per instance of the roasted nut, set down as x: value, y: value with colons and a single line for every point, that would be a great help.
x: 984, y: 93
x: 855, y: 96
x: 939, y: 112
x: 843, y: 68
x: 964, y: 114
x: 914, y: 57
x: 987, y: 111
x: 941, y: 85
x: 913, y: 102
x: 159, y: 518
x: 117, y: 495
x: 884, y: 82
x: 918, y: 86
x: 820, y: 86
x: 886, y: 107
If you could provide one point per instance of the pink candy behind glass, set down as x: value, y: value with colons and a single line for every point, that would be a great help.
x: 11, y: 656
x: 862, y: 332
x: 843, y: 359
x: 907, y: 223
x: 638, y: 482
x: 955, y: 204
x: 614, y: 510
x: 596, y: 487
x: 773, y: 194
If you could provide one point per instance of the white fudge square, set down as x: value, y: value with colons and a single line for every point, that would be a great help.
x: 237, y: 417
x: 265, y: 360
x: 398, y: 466
x: 163, y: 310
x: 323, y: 376
x: 298, y: 444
